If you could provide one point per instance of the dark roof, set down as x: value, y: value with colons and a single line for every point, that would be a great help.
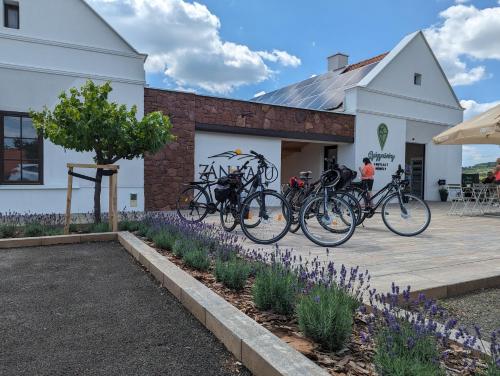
x: 323, y: 92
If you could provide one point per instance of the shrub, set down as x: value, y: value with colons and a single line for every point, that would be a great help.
x: 33, y: 230
x: 326, y: 315
x: 232, y: 273
x: 53, y: 231
x: 100, y: 227
x: 181, y: 246
x: 127, y: 225
x: 197, y: 258
x: 142, y: 229
x: 150, y: 233
x: 404, y: 352
x: 7, y: 231
x: 275, y: 288
x: 164, y: 239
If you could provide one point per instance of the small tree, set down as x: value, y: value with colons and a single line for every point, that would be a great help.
x: 86, y: 121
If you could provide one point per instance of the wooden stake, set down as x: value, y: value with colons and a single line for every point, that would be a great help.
x: 68, y: 202
x: 115, y: 202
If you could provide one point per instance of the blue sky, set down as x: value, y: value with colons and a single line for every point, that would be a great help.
x: 237, y: 48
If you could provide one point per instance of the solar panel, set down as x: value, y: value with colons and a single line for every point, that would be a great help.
x: 323, y: 92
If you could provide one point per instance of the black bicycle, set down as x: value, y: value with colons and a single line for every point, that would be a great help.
x: 299, y: 189
x: 195, y: 202
x: 325, y: 217
x: 403, y: 213
x: 264, y: 214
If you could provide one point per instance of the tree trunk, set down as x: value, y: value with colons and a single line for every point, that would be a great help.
x: 97, y: 196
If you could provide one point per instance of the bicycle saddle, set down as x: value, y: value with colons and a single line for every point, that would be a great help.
x: 306, y: 175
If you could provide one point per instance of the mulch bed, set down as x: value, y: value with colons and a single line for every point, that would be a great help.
x: 355, y: 359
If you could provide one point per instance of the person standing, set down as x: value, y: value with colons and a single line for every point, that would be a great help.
x: 367, y: 175
x: 496, y: 171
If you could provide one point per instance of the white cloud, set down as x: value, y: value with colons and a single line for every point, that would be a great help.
x: 282, y: 57
x: 466, y: 34
x: 259, y: 94
x: 183, y: 41
x: 473, y: 108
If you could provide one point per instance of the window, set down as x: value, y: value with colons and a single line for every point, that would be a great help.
x: 20, y: 150
x: 11, y: 14
x: 417, y: 79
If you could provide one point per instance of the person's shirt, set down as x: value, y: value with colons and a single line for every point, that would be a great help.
x: 488, y: 179
x: 368, y: 172
x: 497, y: 173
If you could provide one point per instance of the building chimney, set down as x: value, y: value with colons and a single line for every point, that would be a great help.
x: 337, y: 61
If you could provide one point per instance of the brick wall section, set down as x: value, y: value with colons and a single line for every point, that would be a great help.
x: 165, y: 171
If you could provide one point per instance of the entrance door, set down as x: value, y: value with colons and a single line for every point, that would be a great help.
x: 415, y: 168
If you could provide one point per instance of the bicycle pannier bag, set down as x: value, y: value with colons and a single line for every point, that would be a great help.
x: 222, y: 189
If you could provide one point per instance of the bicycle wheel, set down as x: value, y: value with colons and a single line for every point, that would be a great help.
x: 363, y: 202
x: 408, y: 216
x: 295, y: 197
x: 192, y: 204
x: 331, y: 228
x: 265, y: 217
x: 228, y: 216
x: 354, y: 203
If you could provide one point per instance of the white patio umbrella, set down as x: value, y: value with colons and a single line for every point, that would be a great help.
x: 481, y: 129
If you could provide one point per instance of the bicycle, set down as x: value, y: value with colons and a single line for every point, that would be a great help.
x: 325, y: 217
x: 298, y: 190
x: 262, y: 212
x: 196, y: 201
x: 399, y: 209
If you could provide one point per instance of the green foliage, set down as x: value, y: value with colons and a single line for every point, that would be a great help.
x: 86, y: 121
x: 32, y: 230
x: 197, y: 258
x: 142, y: 229
x: 405, y: 353
x: 150, y: 234
x: 164, y: 239
x: 275, y: 288
x: 7, y: 231
x: 232, y: 273
x: 181, y: 246
x: 127, y: 225
x: 493, y: 369
x: 53, y: 231
x: 480, y: 168
x: 100, y: 227
x: 326, y: 315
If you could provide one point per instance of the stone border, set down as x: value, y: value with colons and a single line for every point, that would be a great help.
x: 258, y: 349
x: 460, y: 288
x: 57, y: 239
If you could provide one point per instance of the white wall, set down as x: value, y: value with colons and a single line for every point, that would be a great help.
x: 310, y: 158
x: 413, y: 113
x: 367, y: 144
x: 208, y: 144
x: 61, y: 44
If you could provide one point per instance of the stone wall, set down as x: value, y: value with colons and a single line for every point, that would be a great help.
x: 165, y: 171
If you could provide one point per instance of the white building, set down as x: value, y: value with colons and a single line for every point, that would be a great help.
x: 48, y: 46
x: 404, y: 89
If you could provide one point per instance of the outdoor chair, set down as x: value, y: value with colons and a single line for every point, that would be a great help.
x: 457, y: 198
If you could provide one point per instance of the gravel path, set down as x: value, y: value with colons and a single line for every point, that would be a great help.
x: 90, y: 309
x: 481, y: 308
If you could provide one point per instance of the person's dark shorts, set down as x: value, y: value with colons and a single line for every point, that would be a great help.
x: 497, y: 182
x: 368, y: 184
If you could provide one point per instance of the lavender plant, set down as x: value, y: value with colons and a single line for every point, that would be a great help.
x: 326, y: 315
x: 233, y: 273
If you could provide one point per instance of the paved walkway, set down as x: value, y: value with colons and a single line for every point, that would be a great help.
x: 88, y: 309
x: 453, y: 249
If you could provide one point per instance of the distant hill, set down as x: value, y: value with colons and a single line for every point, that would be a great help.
x: 480, y: 168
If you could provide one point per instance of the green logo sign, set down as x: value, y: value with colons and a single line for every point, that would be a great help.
x: 382, y: 132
